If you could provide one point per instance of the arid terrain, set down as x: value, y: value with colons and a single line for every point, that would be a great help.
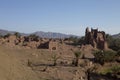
x: 34, y: 58
x: 59, y: 39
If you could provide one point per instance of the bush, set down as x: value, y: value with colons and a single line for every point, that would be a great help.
x: 81, y: 40
x: 77, y: 55
x: 17, y: 34
x: 7, y: 35
x: 34, y: 37
x: 111, y: 72
x: 55, y: 59
x: 1, y: 36
x: 76, y: 40
x: 118, y: 53
x: 104, y: 56
x: 113, y: 43
x: 109, y: 56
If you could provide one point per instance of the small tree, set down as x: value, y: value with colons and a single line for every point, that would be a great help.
x: 77, y: 55
x: 17, y: 34
x: 54, y: 59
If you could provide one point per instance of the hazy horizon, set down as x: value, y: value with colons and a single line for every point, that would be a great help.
x: 62, y: 16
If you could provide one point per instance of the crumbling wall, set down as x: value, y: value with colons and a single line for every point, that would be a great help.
x: 96, y: 38
x: 53, y: 45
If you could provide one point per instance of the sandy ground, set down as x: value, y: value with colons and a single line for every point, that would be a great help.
x: 18, y: 63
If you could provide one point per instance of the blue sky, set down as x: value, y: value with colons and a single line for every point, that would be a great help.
x: 65, y: 16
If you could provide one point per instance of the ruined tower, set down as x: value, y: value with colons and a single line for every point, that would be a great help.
x: 96, y: 38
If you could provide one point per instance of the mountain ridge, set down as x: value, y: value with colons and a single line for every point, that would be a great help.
x: 40, y: 34
x: 116, y: 35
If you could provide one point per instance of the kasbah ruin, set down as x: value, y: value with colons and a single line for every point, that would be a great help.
x: 96, y: 38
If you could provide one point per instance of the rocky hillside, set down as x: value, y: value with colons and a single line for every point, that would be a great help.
x: 40, y: 34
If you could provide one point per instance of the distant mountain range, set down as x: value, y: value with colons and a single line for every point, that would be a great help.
x: 116, y: 35
x: 47, y: 34
x: 40, y: 34
x: 51, y: 34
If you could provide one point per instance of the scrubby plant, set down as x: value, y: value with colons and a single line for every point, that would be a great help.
x: 76, y: 40
x: 17, y: 34
x: 29, y: 63
x: 77, y: 56
x: 7, y: 35
x: 55, y: 59
x: 113, y: 43
x: 104, y: 56
x: 34, y: 37
x: 113, y: 71
x: 118, y: 53
x: 1, y: 36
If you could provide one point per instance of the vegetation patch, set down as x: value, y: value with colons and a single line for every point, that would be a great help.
x: 104, y: 56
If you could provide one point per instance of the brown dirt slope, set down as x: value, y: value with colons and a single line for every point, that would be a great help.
x: 11, y: 68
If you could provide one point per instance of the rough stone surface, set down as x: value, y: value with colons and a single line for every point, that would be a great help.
x: 96, y: 38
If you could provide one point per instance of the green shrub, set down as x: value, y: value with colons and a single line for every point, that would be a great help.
x: 17, y: 34
x: 34, y: 37
x: 77, y: 56
x: 76, y: 40
x: 113, y: 43
x: 118, y: 53
x: 113, y: 70
x: 54, y: 59
x: 1, y: 36
x: 104, y: 56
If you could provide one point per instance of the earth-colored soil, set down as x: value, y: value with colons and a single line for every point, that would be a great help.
x: 19, y: 63
x: 14, y: 64
x: 11, y: 66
